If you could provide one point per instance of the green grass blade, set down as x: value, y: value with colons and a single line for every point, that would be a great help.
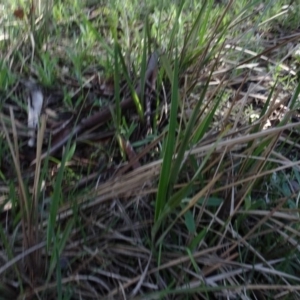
x: 197, y: 239
x: 188, y: 132
x: 56, y: 199
x: 117, y: 86
x: 196, y: 34
x: 144, y: 67
x: 135, y: 97
x: 172, y: 42
x: 163, y: 185
x: 59, y: 244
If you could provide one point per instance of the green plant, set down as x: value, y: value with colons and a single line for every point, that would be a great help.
x: 161, y: 183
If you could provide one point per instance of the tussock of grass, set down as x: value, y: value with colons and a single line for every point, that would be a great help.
x: 166, y: 162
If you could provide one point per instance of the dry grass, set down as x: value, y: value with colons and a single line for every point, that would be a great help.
x: 175, y: 178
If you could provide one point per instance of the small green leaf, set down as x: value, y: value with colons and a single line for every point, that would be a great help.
x: 189, y: 222
x: 197, y: 239
x: 71, y: 152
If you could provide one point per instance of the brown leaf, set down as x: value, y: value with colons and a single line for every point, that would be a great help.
x: 19, y: 13
x: 130, y: 153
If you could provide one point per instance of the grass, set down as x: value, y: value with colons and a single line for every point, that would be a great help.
x: 165, y: 164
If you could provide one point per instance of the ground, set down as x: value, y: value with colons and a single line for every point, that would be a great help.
x: 149, y: 150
